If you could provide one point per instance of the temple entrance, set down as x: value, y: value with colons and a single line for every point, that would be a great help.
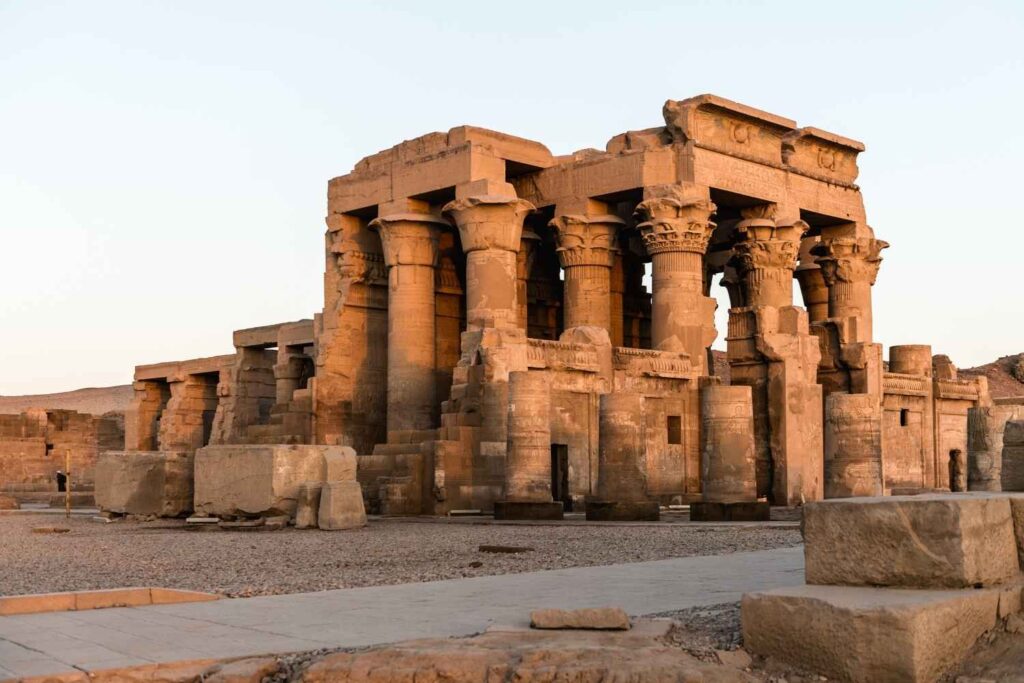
x: 560, y: 475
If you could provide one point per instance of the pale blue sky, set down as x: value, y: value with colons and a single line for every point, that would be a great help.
x: 163, y: 166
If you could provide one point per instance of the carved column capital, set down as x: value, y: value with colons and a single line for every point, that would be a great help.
x: 586, y: 240
x: 760, y: 243
x: 354, y: 262
x: 489, y: 221
x: 676, y: 220
x: 409, y: 239
x: 849, y: 259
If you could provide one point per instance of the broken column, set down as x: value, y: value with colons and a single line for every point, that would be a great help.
x: 676, y: 227
x: 586, y: 250
x: 410, y: 252
x: 727, y: 471
x: 853, y: 445
x: 621, y: 480
x: 986, y: 427
x: 528, y: 456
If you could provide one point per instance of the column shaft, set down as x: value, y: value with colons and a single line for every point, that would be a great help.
x: 410, y: 251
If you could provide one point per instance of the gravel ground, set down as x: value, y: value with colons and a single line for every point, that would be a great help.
x: 244, y: 563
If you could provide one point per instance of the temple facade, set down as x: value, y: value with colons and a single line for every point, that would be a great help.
x: 507, y: 330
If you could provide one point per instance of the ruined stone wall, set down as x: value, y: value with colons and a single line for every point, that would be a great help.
x: 34, y: 445
x: 351, y: 362
x: 907, y: 434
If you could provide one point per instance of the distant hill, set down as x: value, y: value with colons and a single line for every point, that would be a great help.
x: 1004, y: 375
x: 96, y: 401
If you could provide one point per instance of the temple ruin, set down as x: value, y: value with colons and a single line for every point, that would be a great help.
x: 487, y: 340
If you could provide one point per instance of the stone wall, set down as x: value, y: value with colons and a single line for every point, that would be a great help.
x: 35, y: 443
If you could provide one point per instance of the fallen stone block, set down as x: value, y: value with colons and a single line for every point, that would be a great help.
x: 925, y: 541
x: 341, y: 506
x: 868, y: 635
x: 595, y: 619
x: 8, y: 503
x: 340, y: 464
x: 259, y: 479
x: 144, y: 483
x: 307, y: 505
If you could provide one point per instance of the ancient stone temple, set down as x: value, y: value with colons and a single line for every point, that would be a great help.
x: 505, y: 329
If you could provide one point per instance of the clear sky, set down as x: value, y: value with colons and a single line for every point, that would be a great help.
x: 163, y: 165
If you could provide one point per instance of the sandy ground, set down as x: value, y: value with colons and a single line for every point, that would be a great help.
x: 243, y: 563
x: 97, y: 400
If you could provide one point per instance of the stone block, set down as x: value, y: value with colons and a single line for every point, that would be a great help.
x: 512, y: 510
x: 340, y: 464
x: 144, y: 483
x: 868, y: 635
x: 341, y: 506
x: 596, y: 619
x: 259, y: 479
x: 927, y: 541
x: 307, y: 505
x: 622, y: 511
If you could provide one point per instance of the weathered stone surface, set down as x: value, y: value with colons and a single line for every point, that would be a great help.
x: 868, y: 635
x: 307, y: 505
x: 258, y: 480
x: 341, y: 506
x: 1012, y: 476
x: 8, y: 503
x: 340, y: 464
x: 145, y: 483
x: 930, y: 541
x: 526, y: 657
x: 594, y: 619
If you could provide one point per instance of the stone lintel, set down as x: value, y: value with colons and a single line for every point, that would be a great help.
x: 297, y: 333
x: 171, y: 370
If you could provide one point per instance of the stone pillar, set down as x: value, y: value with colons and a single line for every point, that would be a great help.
x: 617, y: 302
x: 727, y: 470
x: 1012, y: 476
x: 490, y: 228
x: 849, y: 266
x: 764, y: 257
x: 676, y: 226
x: 986, y: 427
x: 528, y: 245
x: 812, y: 282
x: 621, y: 479
x: 853, y: 445
x: 586, y: 250
x: 410, y: 253
x: 528, y: 455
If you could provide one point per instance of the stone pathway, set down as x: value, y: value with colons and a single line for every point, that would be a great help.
x: 38, y: 644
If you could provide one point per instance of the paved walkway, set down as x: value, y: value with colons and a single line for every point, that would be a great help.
x: 57, y: 642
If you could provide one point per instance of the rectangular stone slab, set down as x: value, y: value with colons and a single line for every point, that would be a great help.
x: 262, y: 480
x: 926, y: 541
x: 868, y: 635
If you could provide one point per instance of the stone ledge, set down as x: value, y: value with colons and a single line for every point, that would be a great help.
x: 862, y: 634
x: 98, y: 599
x: 923, y: 541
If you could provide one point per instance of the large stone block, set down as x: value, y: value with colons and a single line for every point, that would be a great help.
x: 144, y: 483
x: 869, y: 635
x: 929, y: 541
x: 260, y: 480
x: 341, y: 506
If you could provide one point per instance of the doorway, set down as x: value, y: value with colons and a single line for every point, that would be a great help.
x: 560, y: 475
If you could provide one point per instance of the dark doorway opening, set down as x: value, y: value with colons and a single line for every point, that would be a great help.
x: 560, y: 475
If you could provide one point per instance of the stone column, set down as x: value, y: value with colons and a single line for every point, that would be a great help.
x: 528, y: 245
x: 490, y: 228
x: 621, y: 479
x: 410, y: 253
x: 586, y: 250
x: 849, y: 266
x: 812, y: 282
x: 764, y: 257
x: 676, y: 228
x: 986, y: 428
x: 853, y: 445
x: 528, y: 455
x: 727, y: 469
